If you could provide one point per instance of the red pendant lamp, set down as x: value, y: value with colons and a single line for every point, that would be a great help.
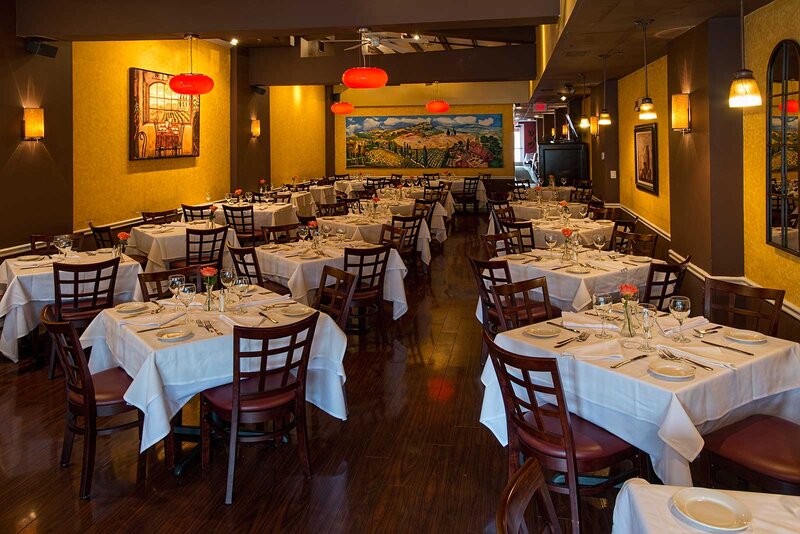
x: 365, y: 78
x: 191, y: 83
x: 343, y: 108
x: 792, y: 106
x: 437, y: 105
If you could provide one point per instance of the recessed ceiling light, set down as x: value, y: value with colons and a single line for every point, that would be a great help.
x: 563, y: 98
x: 415, y: 37
x: 234, y: 41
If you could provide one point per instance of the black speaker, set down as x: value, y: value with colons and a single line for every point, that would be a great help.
x: 336, y: 97
x: 38, y: 48
x: 258, y: 89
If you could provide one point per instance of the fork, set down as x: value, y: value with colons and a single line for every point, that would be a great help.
x: 666, y: 355
x: 212, y: 328
x: 202, y: 325
x: 580, y: 339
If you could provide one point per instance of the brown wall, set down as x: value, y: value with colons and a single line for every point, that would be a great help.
x: 249, y: 157
x: 36, y: 176
x: 605, y: 147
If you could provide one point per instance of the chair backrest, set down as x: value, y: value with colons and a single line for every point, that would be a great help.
x: 241, y: 218
x: 493, y: 206
x: 159, y: 217
x: 516, y: 305
x: 580, y: 194
x: 329, y: 210
x: 103, y: 236
x: 155, y: 285
x: 488, y: 274
x: 433, y: 192
x: 43, y: 243
x: 393, y: 236
x: 525, y: 228
x: 520, y: 192
x: 616, y: 243
x: 411, y: 224
x: 259, y: 197
x: 281, y: 233
x: 282, y: 197
x: 638, y: 244
x: 369, y: 266
x: 335, y: 293
x: 341, y: 176
x: 377, y: 183
x: 367, y: 193
x: 245, y: 263
x: 504, y: 214
x: 502, y: 244
x: 741, y: 306
x: 277, y: 356
x: 425, y: 181
x: 303, y: 186
x: 353, y: 205
x: 425, y: 208
x: 305, y: 219
x: 664, y: 281
x: 528, y: 484
x: 597, y: 214
x: 196, y: 213
x: 205, y: 245
x: 471, y: 185
x: 82, y: 289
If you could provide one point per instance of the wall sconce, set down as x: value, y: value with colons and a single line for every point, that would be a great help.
x: 255, y: 128
x: 594, y: 125
x: 564, y: 130
x: 681, y: 113
x: 33, y: 124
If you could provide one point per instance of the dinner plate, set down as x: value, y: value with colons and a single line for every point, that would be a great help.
x: 711, y: 509
x: 130, y: 307
x: 194, y: 223
x: 162, y: 231
x: 170, y: 336
x: 103, y: 251
x: 745, y: 336
x: 146, y: 226
x: 542, y: 331
x: 577, y: 269
x: 668, y: 370
x: 296, y: 310
x: 30, y: 258
x: 308, y: 256
x: 640, y: 259
x: 618, y: 307
x: 514, y: 257
x: 269, y: 246
x: 604, y: 221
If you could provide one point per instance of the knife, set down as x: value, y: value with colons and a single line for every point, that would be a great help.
x: 268, y: 317
x: 167, y: 325
x: 561, y: 267
x: 624, y: 362
x: 726, y: 347
x: 564, y: 327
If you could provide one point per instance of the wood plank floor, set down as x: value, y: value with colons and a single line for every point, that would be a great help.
x: 412, y: 457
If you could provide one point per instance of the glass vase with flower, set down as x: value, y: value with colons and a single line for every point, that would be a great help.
x: 629, y: 296
x: 212, y: 216
x: 209, y: 275
x: 122, y: 238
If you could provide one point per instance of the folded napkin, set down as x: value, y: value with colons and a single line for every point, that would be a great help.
x: 151, y: 319
x: 32, y: 264
x: 581, y: 320
x: 670, y: 326
x: 243, y: 320
x: 264, y: 300
x: 605, y: 350
x: 707, y: 355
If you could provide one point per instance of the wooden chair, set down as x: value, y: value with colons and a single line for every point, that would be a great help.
x: 159, y: 217
x: 561, y: 441
x: 516, y: 307
x: 341, y: 176
x: 493, y: 206
x: 305, y: 219
x: 433, y: 192
x: 426, y: 207
x: 82, y: 291
x: 616, y: 243
x: 274, y: 393
x: 469, y: 195
x: 104, y: 238
x: 245, y: 263
x: 528, y: 484
x: 503, y: 215
x: 353, y: 205
x: 369, y: 266
x: 88, y: 397
x: 520, y: 192
x: 525, y: 228
x: 598, y: 214
x: 196, y: 213
x: 203, y: 246
x: 332, y: 210
x: 242, y: 220
x: 741, y: 306
x: 259, y: 198
x: 580, y: 195
x: 663, y: 282
x: 335, y: 294
x: 43, y: 243
x: 638, y: 244
x: 488, y: 274
x: 281, y: 233
x: 411, y: 224
x: 375, y: 183
x: 394, y: 237
x: 425, y: 181
x: 155, y: 286
x: 367, y: 193
x: 303, y: 186
x: 502, y: 244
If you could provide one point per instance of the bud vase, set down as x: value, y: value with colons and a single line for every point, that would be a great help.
x: 209, y: 300
x: 627, y: 329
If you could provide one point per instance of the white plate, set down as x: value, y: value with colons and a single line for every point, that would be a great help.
x: 712, y: 509
x: 618, y: 307
x: 542, y: 331
x: 146, y: 226
x: 671, y: 370
x: 103, y: 251
x: 195, y: 222
x: 640, y: 259
x: 30, y: 258
x: 577, y: 269
x: 131, y: 307
x: 170, y: 336
x: 308, y: 257
x: 269, y: 246
x: 604, y: 221
x: 296, y: 310
x: 162, y: 231
x: 514, y: 257
x: 745, y: 336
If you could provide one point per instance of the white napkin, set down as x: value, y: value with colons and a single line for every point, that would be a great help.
x: 670, y: 325
x: 581, y: 320
x: 605, y: 350
x: 263, y: 300
x: 32, y: 264
x: 707, y: 355
x: 151, y: 319
x: 244, y: 320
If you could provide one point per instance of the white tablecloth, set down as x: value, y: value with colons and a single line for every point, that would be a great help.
x: 665, y: 419
x: 532, y: 210
x: 265, y: 214
x: 551, y: 193
x: 163, y: 245
x: 406, y: 208
x: 586, y: 230
x: 30, y: 290
x: 167, y: 375
x: 643, y: 508
x: 458, y: 186
x: 302, y: 276
x: 304, y: 204
x: 323, y: 194
x: 419, y: 192
x: 349, y: 187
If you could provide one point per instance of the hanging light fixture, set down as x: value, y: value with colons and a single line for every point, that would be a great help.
x: 343, y: 108
x: 583, y: 123
x: 605, y: 117
x: 647, y: 109
x: 364, y: 77
x: 744, y: 91
x: 191, y: 83
x: 437, y: 105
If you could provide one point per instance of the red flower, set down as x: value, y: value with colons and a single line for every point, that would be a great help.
x: 563, y: 203
x: 375, y: 199
x: 262, y: 181
x: 567, y: 232
x: 312, y: 224
x: 123, y: 236
x: 208, y: 272
x: 537, y: 188
x: 628, y: 290
x: 237, y: 192
x: 213, y: 209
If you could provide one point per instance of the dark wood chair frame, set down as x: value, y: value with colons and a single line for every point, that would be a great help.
x: 205, y: 246
x: 196, y: 213
x: 528, y: 484
x: 743, y: 302
x: 155, y: 285
x: 664, y: 280
x: 160, y: 217
x: 47, y: 241
x: 242, y: 220
x: 638, y: 244
x: 335, y: 294
x: 617, y: 243
x: 515, y: 305
x: 488, y: 274
x: 393, y: 236
x: 468, y: 195
x: 526, y: 235
x: 272, y: 234
x: 510, y: 241
x: 369, y: 266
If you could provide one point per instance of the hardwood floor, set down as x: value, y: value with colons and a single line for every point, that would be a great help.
x: 412, y: 457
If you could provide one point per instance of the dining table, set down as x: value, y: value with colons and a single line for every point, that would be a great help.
x: 167, y: 372
x: 662, y: 414
x: 323, y: 194
x: 646, y: 508
x: 416, y: 192
x: 30, y: 287
x: 264, y: 213
x: 527, y: 209
x: 457, y: 186
x: 586, y: 229
x: 303, y: 203
x: 405, y: 207
x: 551, y: 192
x: 349, y: 188
x: 298, y: 267
x: 163, y: 243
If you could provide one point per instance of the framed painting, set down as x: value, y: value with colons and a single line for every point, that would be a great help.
x: 163, y: 124
x: 425, y: 141
x: 645, y: 148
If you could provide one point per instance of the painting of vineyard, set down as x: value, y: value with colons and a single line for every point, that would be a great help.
x: 425, y: 141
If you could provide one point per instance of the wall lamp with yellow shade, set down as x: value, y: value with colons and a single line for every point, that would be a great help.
x: 33, y: 124
x: 681, y: 113
x: 255, y: 128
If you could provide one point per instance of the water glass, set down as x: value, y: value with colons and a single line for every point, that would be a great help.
x: 186, y: 296
x: 584, y: 211
x: 680, y: 307
x: 599, y: 242
x: 240, y: 288
x: 550, y: 241
x: 647, y: 316
x: 302, y: 232
x: 176, y: 282
x: 248, y: 197
x: 602, y: 302
x: 563, y: 180
x: 326, y: 231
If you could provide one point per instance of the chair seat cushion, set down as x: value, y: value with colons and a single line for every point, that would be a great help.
x: 109, y: 387
x: 221, y: 397
x: 591, y: 441
x: 178, y: 264
x: 761, y: 443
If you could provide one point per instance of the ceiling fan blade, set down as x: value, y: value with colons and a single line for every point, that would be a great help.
x: 359, y: 45
x: 400, y: 49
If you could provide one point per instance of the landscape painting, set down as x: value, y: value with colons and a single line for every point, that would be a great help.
x: 425, y: 141
x: 163, y: 124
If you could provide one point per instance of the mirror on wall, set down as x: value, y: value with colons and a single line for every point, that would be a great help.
x: 783, y: 76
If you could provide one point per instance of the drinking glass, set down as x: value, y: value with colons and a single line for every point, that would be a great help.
x: 584, y: 211
x: 326, y: 231
x: 340, y: 233
x: 249, y: 197
x: 680, y: 307
x: 599, y: 242
x: 228, y: 197
x: 563, y: 180
x: 240, y: 288
x: 208, y: 197
x: 602, y: 302
x: 176, y: 282
x: 186, y: 295
x: 302, y: 232
x: 550, y: 241
x: 647, y: 316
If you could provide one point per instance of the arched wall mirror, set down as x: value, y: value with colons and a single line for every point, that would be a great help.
x: 783, y: 75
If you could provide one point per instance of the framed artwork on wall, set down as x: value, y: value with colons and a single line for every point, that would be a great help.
x: 163, y: 124
x: 645, y: 149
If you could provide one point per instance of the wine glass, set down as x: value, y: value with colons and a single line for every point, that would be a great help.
x: 176, y: 282
x: 583, y: 211
x: 228, y: 198
x: 602, y: 302
x: 249, y: 197
x: 647, y: 317
x: 563, y: 181
x: 240, y: 288
x: 599, y: 243
x: 186, y: 296
x: 680, y: 307
x: 302, y: 232
x: 340, y: 233
x: 326, y: 231
x: 227, y: 277
x: 550, y: 241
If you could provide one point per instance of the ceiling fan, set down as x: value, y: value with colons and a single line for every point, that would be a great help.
x: 383, y: 42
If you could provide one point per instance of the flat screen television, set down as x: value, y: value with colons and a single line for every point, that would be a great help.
x: 567, y: 159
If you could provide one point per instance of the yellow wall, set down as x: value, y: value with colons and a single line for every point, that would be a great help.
x: 763, y: 264
x: 297, y: 132
x: 508, y: 136
x: 654, y: 209
x: 108, y: 187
